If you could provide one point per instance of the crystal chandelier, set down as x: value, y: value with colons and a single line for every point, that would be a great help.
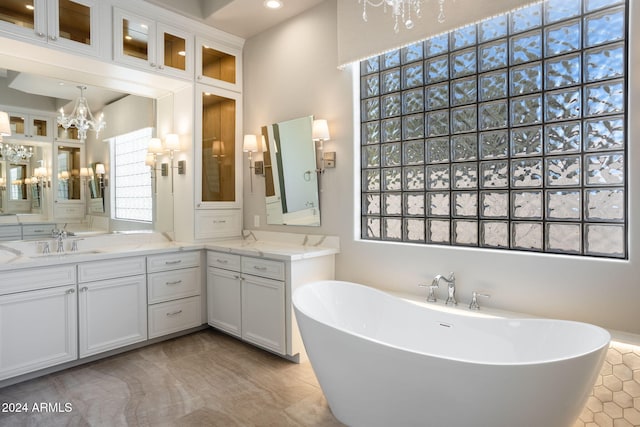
x: 401, y: 10
x: 81, y: 118
x: 15, y: 153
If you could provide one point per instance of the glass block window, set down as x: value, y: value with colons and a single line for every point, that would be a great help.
x: 507, y: 134
x: 132, y: 189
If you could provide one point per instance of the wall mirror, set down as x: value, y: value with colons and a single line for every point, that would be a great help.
x: 36, y: 86
x: 23, y: 178
x: 291, y: 180
x: 96, y: 190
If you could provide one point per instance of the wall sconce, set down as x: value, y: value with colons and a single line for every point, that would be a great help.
x: 320, y: 134
x: 101, y: 172
x: 171, y: 145
x: 250, y: 145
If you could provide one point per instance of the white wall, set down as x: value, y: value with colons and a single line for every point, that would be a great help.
x: 290, y: 71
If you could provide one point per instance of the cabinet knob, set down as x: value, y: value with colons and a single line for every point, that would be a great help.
x: 152, y: 64
x: 84, y: 289
x: 70, y: 291
x: 54, y: 38
x: 40, y: 34
x: 199, y: 77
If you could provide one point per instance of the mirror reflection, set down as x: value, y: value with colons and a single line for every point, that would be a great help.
x: 22, y: 177
x: 68, y: 173
x: 291, y: 178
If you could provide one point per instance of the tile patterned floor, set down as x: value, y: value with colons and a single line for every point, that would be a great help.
x: 203, y: 379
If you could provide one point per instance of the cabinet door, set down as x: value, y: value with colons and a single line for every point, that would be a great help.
x: 263, y: 315
x: 73, y: 24
x: 134, y: 39
x: 219, y: 148
x: 38, y: 329
x: 218, y: 65
x: 223, y: 300
x: 175, y: 51
x: 24, y: 18
x: 112, y: 314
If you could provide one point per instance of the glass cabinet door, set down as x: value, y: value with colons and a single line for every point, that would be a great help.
x: 175, y: 51
x: 18, y: 124
x: 68, y: 161
x: 219, y: 152
x: 134, y: 39
x: 74, y: 21
x: 217, y: 65
x: 18, y: 16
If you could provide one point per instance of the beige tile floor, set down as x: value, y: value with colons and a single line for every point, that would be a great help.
x: 203, y: 379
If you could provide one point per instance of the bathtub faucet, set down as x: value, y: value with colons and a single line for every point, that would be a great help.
x: 451, y: 291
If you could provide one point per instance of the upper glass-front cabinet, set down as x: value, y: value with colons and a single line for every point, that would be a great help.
x: 31, y: 127
x: 71, y: 24
x: 219, y: 148
x: 144, y: 43
x: 218, y: 65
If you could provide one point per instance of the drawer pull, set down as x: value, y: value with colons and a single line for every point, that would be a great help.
x: 178, y: 261
x: 222, y: 261
x: 71, y: 291
x: 84, y: 289
x: 177, y: 282
x: 38, y: 231
x: 260, y: 268
x: 175, y: 313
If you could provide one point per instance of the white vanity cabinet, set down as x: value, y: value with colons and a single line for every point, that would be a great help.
x: 174, y: 288
x: 250, y: 296
x: 112, y: 304
x: 246, y: 298
x: 38, y: 327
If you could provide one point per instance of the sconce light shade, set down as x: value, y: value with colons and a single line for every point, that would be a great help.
x: 155, y: 146
x: 320, y: 130
x: 150, y: 159
x: 250, y: 144
x: 84, y: 172
x: 100, y: 169
x: 172, y: 142
x: 5, y: 128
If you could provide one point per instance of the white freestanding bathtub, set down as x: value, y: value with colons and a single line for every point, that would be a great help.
x: 384, y: 361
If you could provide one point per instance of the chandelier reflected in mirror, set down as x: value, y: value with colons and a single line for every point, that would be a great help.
x: 15, y: 153
x: 402, y: 11
x: 81, y: 118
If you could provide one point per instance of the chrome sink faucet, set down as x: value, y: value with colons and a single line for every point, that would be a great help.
x: 59, y: 235
x: 451, y: 290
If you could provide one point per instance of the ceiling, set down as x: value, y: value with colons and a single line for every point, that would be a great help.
x: 243, y: 18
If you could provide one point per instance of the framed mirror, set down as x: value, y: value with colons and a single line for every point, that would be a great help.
x: 291, y: 173
x: 23, y: 177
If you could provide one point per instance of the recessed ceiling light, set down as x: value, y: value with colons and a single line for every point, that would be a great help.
x: 273, y: 4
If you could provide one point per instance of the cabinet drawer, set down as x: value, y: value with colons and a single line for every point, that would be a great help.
x: 174, y: 316
x: 64, y: 210
x: 169, y: 285
x: 109, y: 269
x: 222, y: 260
x: 37, y: 230
x: 10, y: 232
x: 263, y: 268
x: 216, y: 224
x: 172, y: 261
x: 37, y: 278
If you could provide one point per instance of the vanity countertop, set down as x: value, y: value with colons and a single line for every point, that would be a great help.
x: 260, y: 245
x: 279, y: 246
